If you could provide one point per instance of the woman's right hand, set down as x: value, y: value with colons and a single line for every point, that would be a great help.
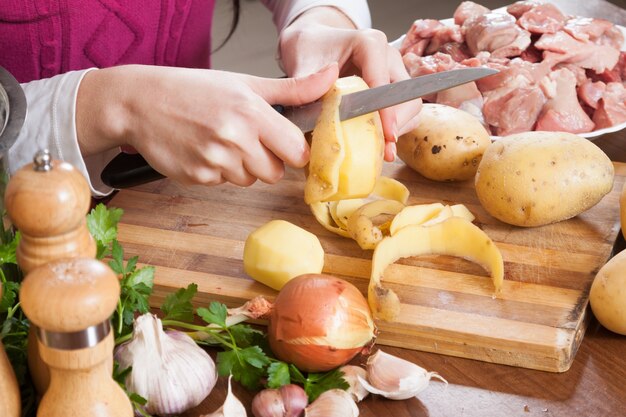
x: 198, y: 126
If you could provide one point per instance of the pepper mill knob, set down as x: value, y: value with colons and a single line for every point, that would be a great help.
x: 47, y: 201
x: 10, y: 406
x: 71, y: 302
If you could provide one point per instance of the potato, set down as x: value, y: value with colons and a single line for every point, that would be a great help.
x: 622, y: 210
x: 537, y: 178
x: 279, y: 251
x: 447, y: 145
x: 608, y: 294
x: 346, y: 156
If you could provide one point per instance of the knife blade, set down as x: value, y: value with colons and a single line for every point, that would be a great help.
x: 373, y: 99
x: 129, y: 170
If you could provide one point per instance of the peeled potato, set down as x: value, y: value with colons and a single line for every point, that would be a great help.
x: 608, y: 294
x: 279, y: 251
x: 447, y: 145
x: 346, y: 156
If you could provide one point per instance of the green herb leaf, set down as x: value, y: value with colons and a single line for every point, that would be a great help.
x: 278, y: 375
x: 102, y: 223
x: 177, y: 306
x: 215, y: 314
x: 9, y: 296
x: 7, y: 251
x: 117, y: 261
x: 316, y: 383
x: 245, y: 365
x: 245, y: 335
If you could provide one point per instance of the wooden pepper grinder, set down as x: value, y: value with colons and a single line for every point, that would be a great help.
x: 10, y: 405
x: 48, y: 201
x: 71, y: 302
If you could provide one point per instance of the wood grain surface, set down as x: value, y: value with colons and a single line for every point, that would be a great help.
x: 538, y: 321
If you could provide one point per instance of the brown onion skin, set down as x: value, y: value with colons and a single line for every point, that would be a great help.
x: 300, y: 310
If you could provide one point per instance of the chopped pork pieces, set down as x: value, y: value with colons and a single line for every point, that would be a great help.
x: 557, y: 72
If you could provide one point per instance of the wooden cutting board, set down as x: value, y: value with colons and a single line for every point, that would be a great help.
x: 197, y: 234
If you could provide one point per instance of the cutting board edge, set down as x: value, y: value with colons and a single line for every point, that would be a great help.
x: 559, y: 361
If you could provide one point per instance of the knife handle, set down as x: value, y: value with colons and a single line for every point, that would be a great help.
x: 128, y: 170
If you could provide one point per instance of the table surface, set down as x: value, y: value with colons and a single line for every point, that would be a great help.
x: 595, y: 385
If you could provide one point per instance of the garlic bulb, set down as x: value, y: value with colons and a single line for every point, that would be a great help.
x: 232, y: 407
x: 351, y: 374
x: 169, y: 369
x: 287, y: 401
x: 332, y: 403
x: 395, y: 378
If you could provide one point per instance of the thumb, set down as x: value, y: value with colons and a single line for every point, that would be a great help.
x: 299, y: 90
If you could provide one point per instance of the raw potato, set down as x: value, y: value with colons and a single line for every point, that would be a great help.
x: 537, y: 178
x: 622, y: 209
x: 278, y: 251
x: 455, y: 236
x: 346, y: 157
x: 608, y: 294
x: 447, y: 145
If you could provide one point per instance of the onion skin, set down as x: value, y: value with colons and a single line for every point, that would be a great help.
x: 309, y: 313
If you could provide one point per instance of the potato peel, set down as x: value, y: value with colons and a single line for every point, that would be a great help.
x: 361, y: 226
x: 455, y: 236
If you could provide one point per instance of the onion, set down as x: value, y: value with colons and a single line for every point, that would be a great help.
x: 320, y: 322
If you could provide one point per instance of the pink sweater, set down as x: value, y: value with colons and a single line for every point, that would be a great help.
x: 43, y: 38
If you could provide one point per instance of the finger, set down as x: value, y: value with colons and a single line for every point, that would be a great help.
x: 296, y: 91
x: 373, y: 45
x: 284, y: 139
x: 228, y: 162
x: 390, y: 151
x: 263, y: 164
x: 406, y: 113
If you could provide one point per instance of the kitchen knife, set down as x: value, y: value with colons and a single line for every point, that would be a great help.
x: 128, y: 170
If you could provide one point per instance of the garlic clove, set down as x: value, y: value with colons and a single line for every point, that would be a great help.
x: 287, y: 401
x: 395, y: 378
x: 268, y: 403
x: 332, y: 403
x: 294, y: 398
x: 169, y: 369
x: 351, y: 374
x: 232, y: 407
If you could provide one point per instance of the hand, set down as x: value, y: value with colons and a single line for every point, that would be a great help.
x: 324, y: 34
x: 198, y: 126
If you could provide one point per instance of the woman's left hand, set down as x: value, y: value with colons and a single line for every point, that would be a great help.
x: 324, y: 34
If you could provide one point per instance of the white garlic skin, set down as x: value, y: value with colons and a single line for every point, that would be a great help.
x: 332, y: 403
x: 287, y: 401
x: 395, y: 378
x: 351, y: 374
x: 169, y: 369
x: 232, y: 407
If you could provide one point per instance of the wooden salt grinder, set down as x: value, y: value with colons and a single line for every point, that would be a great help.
x: 71, y: 302
x: 10, y: 405
x: 47, y: 201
